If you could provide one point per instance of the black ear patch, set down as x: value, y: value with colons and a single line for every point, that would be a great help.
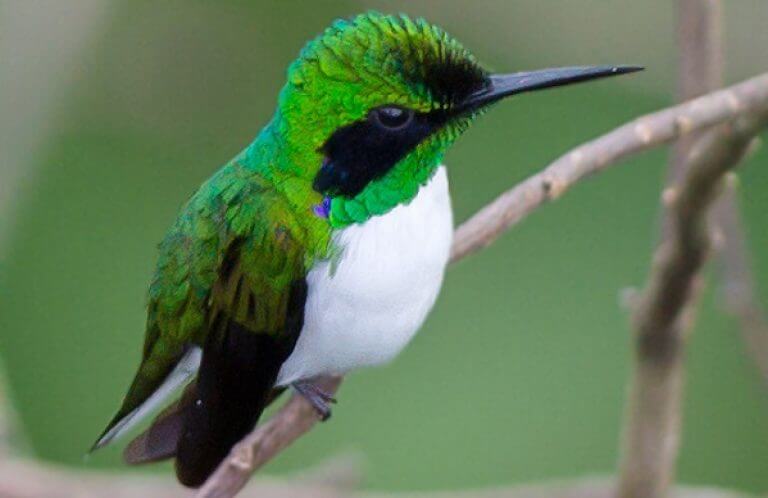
x: 366, y: 150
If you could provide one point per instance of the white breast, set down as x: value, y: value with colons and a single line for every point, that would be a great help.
x: 366, y: 309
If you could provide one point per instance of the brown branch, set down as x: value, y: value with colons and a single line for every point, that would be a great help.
x: 701, y: 68
x: 636, y: 136
x: 665, y: 312
x: 700, y: 63
x: 296, y: 418
x: 700, y: 47
x: 738, y: 286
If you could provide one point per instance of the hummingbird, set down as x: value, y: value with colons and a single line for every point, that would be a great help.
x: 318, y: 249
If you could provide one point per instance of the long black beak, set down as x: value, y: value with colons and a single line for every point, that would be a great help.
x: 504, y: 85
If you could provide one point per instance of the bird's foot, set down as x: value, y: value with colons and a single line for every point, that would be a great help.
x: 317, y: 397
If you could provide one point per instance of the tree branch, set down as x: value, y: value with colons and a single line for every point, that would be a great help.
x: 701, y: 71
x: 665, y: 313
x: 641, y: 134
x: 737, y: 284
x: 296, y: 417
x: 700, y: 64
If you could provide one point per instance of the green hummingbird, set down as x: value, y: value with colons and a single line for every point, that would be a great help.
x: 321, y: 247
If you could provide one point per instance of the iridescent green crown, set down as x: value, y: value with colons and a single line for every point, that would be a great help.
x: 409, y: 62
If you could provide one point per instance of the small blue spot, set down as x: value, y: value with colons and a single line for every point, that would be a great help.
x: 323, y: 210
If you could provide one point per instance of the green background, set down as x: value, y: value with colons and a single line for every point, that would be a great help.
x: 519, y: 374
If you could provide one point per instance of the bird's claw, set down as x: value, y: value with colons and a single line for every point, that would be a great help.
x: 317, y: 397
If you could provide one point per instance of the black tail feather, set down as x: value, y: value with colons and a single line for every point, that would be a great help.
x: 234, y: 384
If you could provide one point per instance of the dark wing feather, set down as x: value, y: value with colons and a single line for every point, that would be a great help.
x: 255, y: 314
x: 234, y: 385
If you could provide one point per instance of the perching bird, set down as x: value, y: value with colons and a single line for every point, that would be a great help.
x: 321, y: 247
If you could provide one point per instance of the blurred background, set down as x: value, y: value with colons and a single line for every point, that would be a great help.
x: 113, y: 112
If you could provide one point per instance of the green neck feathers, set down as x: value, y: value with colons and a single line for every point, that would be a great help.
x: 335, y: 147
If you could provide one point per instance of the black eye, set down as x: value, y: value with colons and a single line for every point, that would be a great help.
x: 392, y: 118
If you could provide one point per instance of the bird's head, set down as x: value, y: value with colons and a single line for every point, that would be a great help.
x: 372, y: 104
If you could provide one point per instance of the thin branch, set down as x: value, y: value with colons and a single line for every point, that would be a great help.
x: 667, y: 310
x: 701, y: 68
x: 296, y: 417
x: 665, y: 313
x: 293, y: 420
x: 700, y: 47
x: 700, y: 63
x: 636, y: 136
x: 738, y: 287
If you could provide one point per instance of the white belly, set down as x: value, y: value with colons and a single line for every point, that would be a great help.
x: 385, y: 282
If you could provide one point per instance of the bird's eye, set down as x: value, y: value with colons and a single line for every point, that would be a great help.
x: 392, y: 118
